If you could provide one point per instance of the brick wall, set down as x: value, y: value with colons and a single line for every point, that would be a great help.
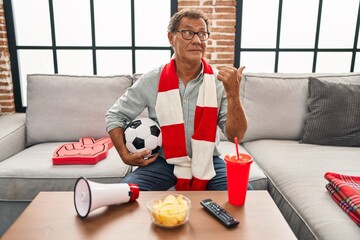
x: 222, y: 19
x: 6, y: 88
x: 222, y: 16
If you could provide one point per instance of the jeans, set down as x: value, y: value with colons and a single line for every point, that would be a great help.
x: 159, y: 176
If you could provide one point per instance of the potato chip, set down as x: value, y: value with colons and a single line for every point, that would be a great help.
x: 171, y: 211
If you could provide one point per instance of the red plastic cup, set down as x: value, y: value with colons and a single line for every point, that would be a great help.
x: 237, y: 171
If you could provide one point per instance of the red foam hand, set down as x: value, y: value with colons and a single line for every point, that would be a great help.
x: 86, y: 151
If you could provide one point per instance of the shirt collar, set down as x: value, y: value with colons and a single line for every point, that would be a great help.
x: 200, y: 75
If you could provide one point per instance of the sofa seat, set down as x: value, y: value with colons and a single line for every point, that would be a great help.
x: 296, y: 182
x: 27, y: 173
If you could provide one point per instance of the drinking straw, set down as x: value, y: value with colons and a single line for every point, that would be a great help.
x: 237, y: 147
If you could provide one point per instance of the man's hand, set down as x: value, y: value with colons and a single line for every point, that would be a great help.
x: 231, y: 78
x: 139, y: 158
x: 132, y: 159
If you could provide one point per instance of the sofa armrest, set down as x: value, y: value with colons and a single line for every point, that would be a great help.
x: 12, y: 134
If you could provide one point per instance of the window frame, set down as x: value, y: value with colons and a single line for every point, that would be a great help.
x: 13, y: 47
x: 277, y: 49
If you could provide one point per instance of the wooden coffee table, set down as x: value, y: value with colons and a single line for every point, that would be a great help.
x: 52, y: 215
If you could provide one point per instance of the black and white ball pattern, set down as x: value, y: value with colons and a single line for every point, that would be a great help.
x: 141, y: 134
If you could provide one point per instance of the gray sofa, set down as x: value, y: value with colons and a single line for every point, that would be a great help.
x: 276, y: 107
x: 65, y: 108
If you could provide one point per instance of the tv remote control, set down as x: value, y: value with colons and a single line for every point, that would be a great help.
x: 219, y: 213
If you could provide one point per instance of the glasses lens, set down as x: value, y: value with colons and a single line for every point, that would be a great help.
x: 202, y: 35
x: 187, y: 34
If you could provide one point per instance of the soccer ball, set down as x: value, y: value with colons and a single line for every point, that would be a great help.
x: 142, y: 134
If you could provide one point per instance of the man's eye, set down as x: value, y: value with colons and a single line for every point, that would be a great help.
x: 188, y: 32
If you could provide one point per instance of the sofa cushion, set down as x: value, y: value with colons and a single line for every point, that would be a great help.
x: 66, y: 108
x: 333, y: 114
x: 31, y: 171
x: 296, y: 177
x: 275, y: 103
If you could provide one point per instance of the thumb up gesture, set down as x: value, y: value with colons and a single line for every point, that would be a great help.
x: 231, y: 78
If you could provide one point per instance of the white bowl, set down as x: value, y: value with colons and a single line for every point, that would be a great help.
x: 169, y: 210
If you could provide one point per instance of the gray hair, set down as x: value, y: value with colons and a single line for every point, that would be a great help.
x: 189, y: 13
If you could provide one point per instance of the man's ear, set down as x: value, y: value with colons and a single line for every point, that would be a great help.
x: 170, y: 38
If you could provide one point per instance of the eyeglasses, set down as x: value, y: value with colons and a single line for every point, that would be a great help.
x: 188, y: 34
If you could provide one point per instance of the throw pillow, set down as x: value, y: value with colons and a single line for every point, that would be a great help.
x: 333, y: 114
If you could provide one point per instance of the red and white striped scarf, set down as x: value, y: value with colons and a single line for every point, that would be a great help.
x: 195, y: 173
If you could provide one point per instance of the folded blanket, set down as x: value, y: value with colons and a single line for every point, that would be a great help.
x: 345, y: 190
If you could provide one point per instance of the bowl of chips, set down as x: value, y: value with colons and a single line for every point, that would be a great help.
x: 170, y: 210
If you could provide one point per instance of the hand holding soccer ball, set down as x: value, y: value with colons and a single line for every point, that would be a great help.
x: 143, y: 134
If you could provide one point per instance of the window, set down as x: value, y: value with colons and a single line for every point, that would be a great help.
x: 85, y: 37
x: 297, y: 35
